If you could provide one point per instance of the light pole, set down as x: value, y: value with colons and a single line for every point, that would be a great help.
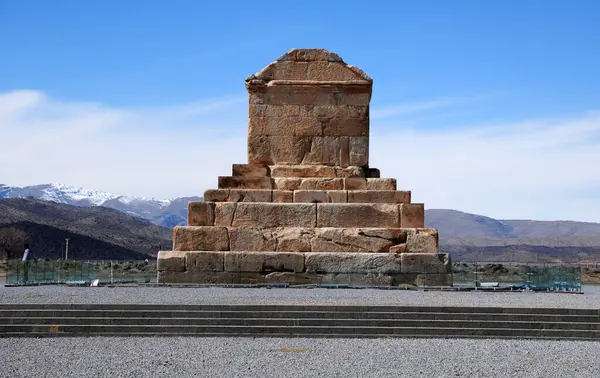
x: 67, y: 249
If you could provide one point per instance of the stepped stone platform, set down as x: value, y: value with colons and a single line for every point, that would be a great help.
x: 307, y: 207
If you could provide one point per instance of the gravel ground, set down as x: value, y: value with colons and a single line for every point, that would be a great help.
x: 244, y: 357
x: 214, y: 295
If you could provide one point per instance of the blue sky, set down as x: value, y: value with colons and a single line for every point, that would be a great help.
x: 499, y: 100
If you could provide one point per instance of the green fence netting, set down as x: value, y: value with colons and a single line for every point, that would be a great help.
x: 550, y: 277
x: 75, y: 271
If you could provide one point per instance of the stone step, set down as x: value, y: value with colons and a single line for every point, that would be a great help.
x: 343, y: 215
x: 30, y: 316
x: 305, y: 239
x: 300, y: 183
x: 352, y: 268
x: 307, y: 196
x: 302, y: 322
x: 262, y: 170
x: 309, y: 331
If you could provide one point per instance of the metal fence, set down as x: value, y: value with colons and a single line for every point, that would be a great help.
x: 75, y: 271
x: 544, y: 276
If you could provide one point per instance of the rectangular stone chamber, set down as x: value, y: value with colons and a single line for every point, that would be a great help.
x: 306, y: 208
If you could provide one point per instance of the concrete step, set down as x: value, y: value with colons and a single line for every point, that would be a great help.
x: 304, y: 322
x: 7, y: 315
x: 18, y: 320
x: 288, y: 336
x: 309, y: 331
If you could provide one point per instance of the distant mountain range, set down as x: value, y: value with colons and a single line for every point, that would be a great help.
x: 95, y: 232
x: 466, y: 236
x: 166, y: 213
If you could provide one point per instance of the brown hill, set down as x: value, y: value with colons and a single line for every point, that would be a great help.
x: 94, y: 232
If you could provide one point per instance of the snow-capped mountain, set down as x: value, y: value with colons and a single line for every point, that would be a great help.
x: 167, y: 213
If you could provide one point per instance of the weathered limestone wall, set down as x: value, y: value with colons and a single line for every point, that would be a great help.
x: 309, y: 107
x: 306, y: 208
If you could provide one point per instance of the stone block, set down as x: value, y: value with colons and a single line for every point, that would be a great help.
x: 310, y: 55
x: 216, y: 195
x: 314, y: 171
x: 320, y: 196
x: 259, y: 147
x: 307, y: 127
x: 355, y: 183
x: 204, y: 261
x: 302, y: 239
x: 422, y: 240
x: 242, y: 182
x: 257, y: 111
x: 283, y: 196
x: 302, y: 171
x: 344, y: 151
x: 413, y: 215
x: 398, y: 248
x: 442, y: 279
x: 281, y: 147
x: 321, y: 184
x: 275, y: 111
x: 351, y: 127
x: 250, y: 170
x: 263, y: 262
x: 379, y: 196
x: 250, y: 239
x: 201, y: 213
x: 322, y: 150
x: 172, y: 261
x: 359, y: 150
x: 289, y: 149
x: 249, y: 195
x: 265, y: 215
x: 224, y: 213
x: 330, y: 71
x: 355, y: 239
x: 381, y: 184
x: 289, y: 183
x: 238, y: 195
x: 425, y: 263
x: 329, y: 262
x: 198, y: 238
x: 355, y: 99
x: 292, y: 278
x: 290, y: 70
x: 358, y: 215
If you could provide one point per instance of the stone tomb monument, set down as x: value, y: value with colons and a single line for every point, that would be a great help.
x: 307, y: 208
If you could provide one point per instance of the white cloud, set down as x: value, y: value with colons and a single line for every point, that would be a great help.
x: 537, y: 169
x: 160, y: 153
x: 528, y: 170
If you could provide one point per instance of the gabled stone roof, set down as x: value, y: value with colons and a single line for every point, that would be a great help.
x: 309, y: 65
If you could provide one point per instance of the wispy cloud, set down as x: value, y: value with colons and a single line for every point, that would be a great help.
x: 166, y: 152
x: 523, y: 170
x: 534, y: 168
x: 414, y: 107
